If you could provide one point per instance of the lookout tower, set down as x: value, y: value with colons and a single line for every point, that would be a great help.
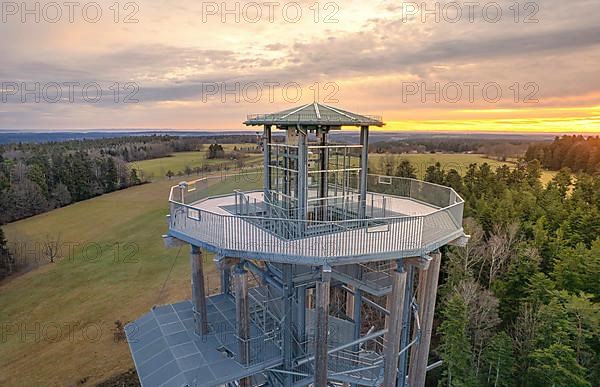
x: 302, y: 261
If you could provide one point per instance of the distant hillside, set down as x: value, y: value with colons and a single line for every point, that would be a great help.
x: 9, y: 137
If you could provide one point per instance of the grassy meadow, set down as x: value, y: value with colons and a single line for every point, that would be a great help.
x: 57, y: 320
x: 458, y: 161
x: 157, y: 168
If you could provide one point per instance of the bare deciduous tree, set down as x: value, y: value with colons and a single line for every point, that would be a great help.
x: 482, y: 308
x: 500, y: 249
x: 471, y: 256
x: 51, y: 247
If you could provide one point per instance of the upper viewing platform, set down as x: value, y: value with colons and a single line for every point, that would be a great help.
x: 318, y: 205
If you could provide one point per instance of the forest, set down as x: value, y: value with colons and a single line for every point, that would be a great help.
x: 519, y: 306
x: 38, y: 177
x: 578, y: 153
x: 501, y: 149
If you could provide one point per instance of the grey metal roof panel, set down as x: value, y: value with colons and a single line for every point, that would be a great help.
x: 314, y: 114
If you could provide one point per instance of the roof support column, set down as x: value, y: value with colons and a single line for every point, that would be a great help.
x: 324, y: 183
x: 364, y: 170
x: 392, y: 338
x: 302, y: 179
x: 240, y: 281
x: 427, y: 292
x: 267, y: 163
x: 322, y: 321
x: 198, y: 291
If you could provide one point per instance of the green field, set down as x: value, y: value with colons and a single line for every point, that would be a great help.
x: 57, y: 319
x: 157, y: 168
x: 458, y: 161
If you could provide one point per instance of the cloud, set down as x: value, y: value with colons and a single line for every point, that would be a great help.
x: 172, y: 56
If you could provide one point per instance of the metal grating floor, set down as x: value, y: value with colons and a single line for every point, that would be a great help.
x: 167, y: 352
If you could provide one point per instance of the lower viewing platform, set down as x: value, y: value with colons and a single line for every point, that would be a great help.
x: 167, y: 352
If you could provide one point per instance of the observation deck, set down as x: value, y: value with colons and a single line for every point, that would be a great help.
x: 402, y: 218
x: 312, y: 220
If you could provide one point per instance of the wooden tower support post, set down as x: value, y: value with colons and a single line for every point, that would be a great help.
x: 240, y: 280
x: 406, y: 321
x: 198, y: 291
x: 322, y: 320
x: 427, y: 292
x: 225, y: 280
x: 392, y: 342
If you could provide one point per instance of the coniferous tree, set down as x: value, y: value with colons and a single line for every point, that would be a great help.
x: 455, y: 346
x: 406, y: 169
x: 555, y: 366
x: 7, y: 264
x: 499, y: 362
x: 435, y: 174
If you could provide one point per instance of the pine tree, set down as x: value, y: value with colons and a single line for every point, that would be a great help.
x: 6, y: 259
x: 110, y: 175
x: 555, y: 366
x: 133, y: 177
x: 499, y: 361
x: 435, y: 174
x: 405, y: 169
x: 455, y: 346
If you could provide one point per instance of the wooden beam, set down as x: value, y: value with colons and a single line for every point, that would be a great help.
x: 224, y: 265
x: 428, y: 281
x: 350, y: 302
x: 240, y: 280
x: 460, y: 241
x: 321, y: 329
x: 172, y: 242
x: 198, y: 291
x: 422, y: 263
x: 392, y: 337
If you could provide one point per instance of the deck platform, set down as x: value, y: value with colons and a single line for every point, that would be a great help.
x: 411, y: 228
x: 167, y: 352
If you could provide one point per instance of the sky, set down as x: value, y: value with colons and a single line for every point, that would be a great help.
x: 431, y: 66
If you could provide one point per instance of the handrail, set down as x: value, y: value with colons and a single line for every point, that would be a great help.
x: 347, y: 239
x: 442, y: 209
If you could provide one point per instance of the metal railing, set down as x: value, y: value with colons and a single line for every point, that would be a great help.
x: 354, y: 237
